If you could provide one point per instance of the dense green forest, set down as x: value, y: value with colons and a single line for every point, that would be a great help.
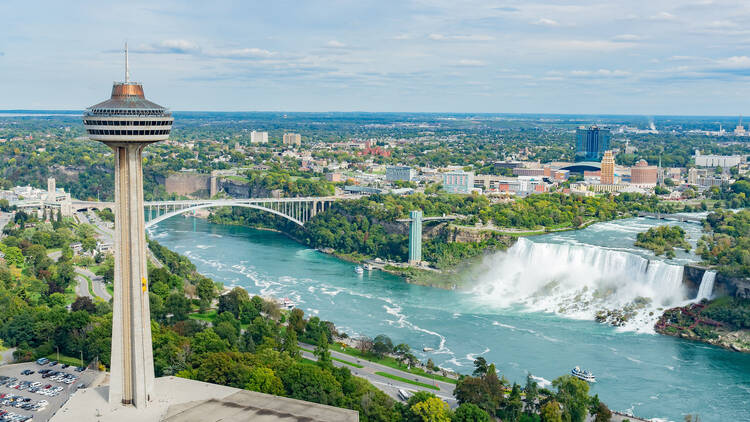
x: 726, y: 246
x: 663, y: 239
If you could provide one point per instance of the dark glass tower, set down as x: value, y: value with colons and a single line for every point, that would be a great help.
x: 591, y: 143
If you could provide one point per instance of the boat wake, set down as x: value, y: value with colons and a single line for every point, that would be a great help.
x: 582, y: 282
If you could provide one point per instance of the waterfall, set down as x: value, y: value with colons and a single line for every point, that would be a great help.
x: 706, y: 288
x: 580, y: 280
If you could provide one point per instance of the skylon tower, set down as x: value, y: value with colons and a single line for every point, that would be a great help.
x: 127, y: 123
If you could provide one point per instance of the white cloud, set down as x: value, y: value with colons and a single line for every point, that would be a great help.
x: 583, y: 45
x: 663, y: 16
x: 335, y: 44
x: 471, y: 63
x: 402, y: 37
x: 240, y: 53
x: 474, y: 37
x: 547, y: 22
x: 627, y: 37
x: 601, y: 73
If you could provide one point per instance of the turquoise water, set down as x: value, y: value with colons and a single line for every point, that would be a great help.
x: 650, y: 375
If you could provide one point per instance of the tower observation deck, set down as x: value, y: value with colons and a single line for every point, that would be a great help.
x: 127, y: 123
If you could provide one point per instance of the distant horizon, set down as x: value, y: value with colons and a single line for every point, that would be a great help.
x: 728, y: 116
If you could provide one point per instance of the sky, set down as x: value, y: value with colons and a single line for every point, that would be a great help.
x: 657, y: 57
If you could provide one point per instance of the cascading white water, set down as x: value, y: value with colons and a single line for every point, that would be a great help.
x: 579, y: 281
x: 706, y: 289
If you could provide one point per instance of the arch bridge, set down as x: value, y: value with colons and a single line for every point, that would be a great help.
x: 297, y: 210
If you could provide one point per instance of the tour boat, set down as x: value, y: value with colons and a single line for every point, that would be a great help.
x: 583, y: 374
x: 359, y: 270
x: 287, y: 303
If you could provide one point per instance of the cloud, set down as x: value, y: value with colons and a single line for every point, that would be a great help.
x: 441, y: 37
x: 627, y: 37
x: 335, y: 44
x: 179, y: 46
x: 547, y: 22
x: 240, y: 53
x: 402, y: 37
x: 663, y: 16
x: 584, y: 45
x: 601, y: 73
x: 471, y: 63
x: 171, y: 47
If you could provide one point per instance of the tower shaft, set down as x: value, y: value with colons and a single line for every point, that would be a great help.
x: 132, y: 367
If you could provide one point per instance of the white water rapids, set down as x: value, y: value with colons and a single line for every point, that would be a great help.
x: 578, y: 281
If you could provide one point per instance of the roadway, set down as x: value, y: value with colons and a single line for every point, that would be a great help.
x: 97, y: 283
x: 387, y: 385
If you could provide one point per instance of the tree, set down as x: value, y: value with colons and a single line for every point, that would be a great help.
x: 296, y: 320
x: 468, y: 412
x: 289, y: 343
x: 573, y: 394
x: 13, y: 256
x: 603, y: 414
x: 551, y: 412
x: 513, y: 405
x: 480, y: 367
x: 364, y: 344
x: 206, y: 291
x: 265, y: 381
x: 177, y: 305
x: 83, y: 303
x: 321, y: 351
x: 382, y: 345
x: 88, y: 244
x: 532, y: 394
x: 431, y: 410
x: 232, y: 301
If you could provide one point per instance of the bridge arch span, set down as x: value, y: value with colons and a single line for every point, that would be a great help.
x: 171, y: 214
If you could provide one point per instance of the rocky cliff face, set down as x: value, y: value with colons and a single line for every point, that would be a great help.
x: 188, y: 184
x: 723, y: 286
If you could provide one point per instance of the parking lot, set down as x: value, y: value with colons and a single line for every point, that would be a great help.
x: 37, y: 396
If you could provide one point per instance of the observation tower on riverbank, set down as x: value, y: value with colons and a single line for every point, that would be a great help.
x: 127, y: 123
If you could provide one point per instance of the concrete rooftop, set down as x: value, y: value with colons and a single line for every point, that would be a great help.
x: 182, y: 400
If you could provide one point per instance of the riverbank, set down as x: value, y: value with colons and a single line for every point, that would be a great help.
x: 720, y: 322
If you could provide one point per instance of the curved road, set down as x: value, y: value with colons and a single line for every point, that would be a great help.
x: 384, y: 384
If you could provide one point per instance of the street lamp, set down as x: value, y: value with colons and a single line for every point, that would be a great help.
x: 58, y: 353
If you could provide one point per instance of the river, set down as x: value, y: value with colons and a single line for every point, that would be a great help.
x: 514, y: 315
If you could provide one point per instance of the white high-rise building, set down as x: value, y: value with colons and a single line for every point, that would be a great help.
x: 258, y: 137
x: 292, y: 139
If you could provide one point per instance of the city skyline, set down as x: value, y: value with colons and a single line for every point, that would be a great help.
x: 669, y: 58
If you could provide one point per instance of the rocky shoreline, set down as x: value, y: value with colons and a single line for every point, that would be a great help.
x: 687, y: 323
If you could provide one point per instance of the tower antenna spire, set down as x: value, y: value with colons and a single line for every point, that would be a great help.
x: 127, y: 66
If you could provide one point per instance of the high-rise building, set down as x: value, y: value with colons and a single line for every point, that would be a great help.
x: 403, y: 173
x: 51, y: 189
x: 258, y: 137
x: 458, y: 181
x: 127, y: 123
x: 292, y: 139
x: 608, y: 169
x: 641, y: 174
x: 591, y: 143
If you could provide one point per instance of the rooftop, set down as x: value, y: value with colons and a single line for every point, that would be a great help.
x: 183, y: 400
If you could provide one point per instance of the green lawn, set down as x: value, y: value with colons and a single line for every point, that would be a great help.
x: 209, y: 316
x: 391, y: 363
x: 406, y: 380
x: 356, y: 365
x: 65, y: 359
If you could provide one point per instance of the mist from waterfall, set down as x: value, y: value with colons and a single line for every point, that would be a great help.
x: 577, y: 281
x: 706, y: 289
